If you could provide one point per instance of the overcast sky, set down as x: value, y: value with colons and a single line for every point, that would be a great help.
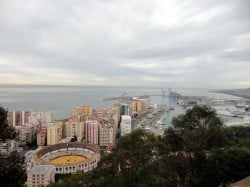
x: 191, y: 43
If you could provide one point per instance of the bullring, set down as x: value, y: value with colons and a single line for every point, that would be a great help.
x: 69, y: 157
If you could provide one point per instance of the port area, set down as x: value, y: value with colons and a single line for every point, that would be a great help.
x: 125, y: 98
x: 238, y: 108
x: 152, y: 119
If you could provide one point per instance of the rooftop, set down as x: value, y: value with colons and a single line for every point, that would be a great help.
x: 41, y: 169
x: 42, y: 132
x: 242, y: 183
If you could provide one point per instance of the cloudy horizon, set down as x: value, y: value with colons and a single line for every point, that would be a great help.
x: 173, y: 43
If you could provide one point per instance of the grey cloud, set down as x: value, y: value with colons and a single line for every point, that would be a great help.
x: 98, y: 38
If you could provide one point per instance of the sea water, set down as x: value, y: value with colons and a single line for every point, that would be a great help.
x: 60, y: 99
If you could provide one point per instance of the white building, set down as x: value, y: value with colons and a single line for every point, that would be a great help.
x: 125, y: 125
x: 41, y: 175
x: 43, y: 117
x: 106, y: 134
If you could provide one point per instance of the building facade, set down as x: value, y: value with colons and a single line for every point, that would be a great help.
x: 42, y: 117
x: 26, y: 133
x: 41, y: 137
x: 92, y: 131
x: 18, y: 118
x: 41, y: 176
x: 106, y: 134
x: 125, y: 125
x: 54, y: 133
x: 124, y: 110
x: 78, y: 114
x: 74, y: 129
x: 108, y: 112
x: 139, y: 106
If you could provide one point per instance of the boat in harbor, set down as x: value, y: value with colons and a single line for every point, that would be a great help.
x: 225, y: 112
x: 187, y: 102
x: 240, y: 105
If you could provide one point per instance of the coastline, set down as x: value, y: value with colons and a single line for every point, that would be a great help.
x: 243, y: 95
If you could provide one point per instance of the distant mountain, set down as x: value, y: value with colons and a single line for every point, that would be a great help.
x: 243, y: 92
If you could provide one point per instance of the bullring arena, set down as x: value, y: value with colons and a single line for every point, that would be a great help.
x: 69, y: 157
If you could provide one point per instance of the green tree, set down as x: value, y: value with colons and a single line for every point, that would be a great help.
x: 173, y: 139
x: 230, y: 164
x: 12, y: 171
x: 131, y: 156
x: 6, y: 132
x: 200, y: 129
x: 194, y: 152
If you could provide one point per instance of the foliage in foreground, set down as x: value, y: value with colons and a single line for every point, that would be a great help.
x: 12, y: 173
x: 197, y: 151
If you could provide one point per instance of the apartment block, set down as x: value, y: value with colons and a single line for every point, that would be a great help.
x: 18, y: 118
x: 41, y: 137
x: 26, y: 133
x: 106, y: 134
x: 74, y: 129
x: 78, y: 114
x: 41, y: 176
x: 54, y: 133
x: 107, y: 112
x: 139, y: 105
x: 40, y: 117
x: 92, y: 131
x: 125, y: 125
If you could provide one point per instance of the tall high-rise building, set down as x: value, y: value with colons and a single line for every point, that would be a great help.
x: 139, y: 105
x: 42, y: 117
x: 74, y: 129
x: 54, y: 133
x: 41, y: 137
x: 26, y: 133
x: 18, y: 118
x: 125, y: 125
x: 106, y: 134
x: 78, y: 114
x: 125, y: 110
x: 107, y: 112
x: 92, y: 131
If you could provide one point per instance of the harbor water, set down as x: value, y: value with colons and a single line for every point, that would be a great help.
x: 59, y: 99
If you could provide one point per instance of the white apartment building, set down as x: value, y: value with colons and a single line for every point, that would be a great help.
x: 125, y: 125
x: 106, y: 134
x: 43, y: 117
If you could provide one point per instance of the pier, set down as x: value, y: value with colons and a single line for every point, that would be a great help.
x: 152, y: 120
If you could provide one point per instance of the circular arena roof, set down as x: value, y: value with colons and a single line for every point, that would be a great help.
x: 69, y: 153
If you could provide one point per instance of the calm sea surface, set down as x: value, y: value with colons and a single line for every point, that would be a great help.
x: 59, y: 99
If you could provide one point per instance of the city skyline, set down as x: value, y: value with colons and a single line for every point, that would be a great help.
x: 157, y: 43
